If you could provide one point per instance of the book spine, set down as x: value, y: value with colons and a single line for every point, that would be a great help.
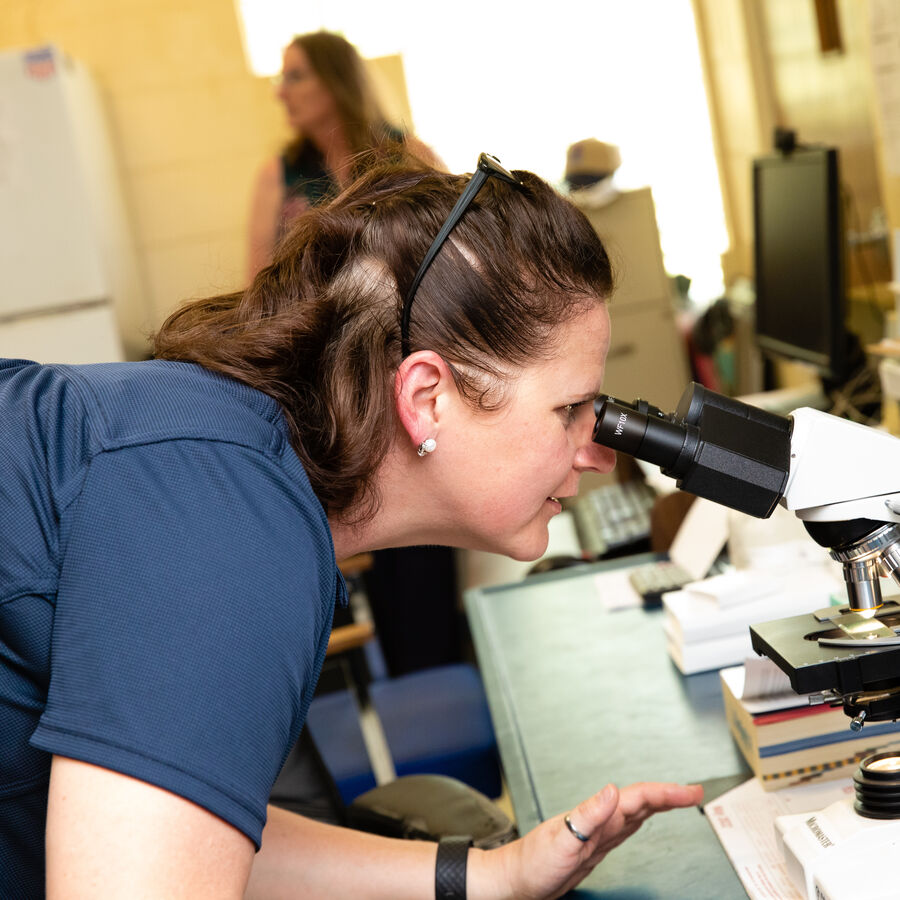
x: 793, y: 712
x: 828, y: 721
x: 823, y: 757
x: 741, y: 724
x: 846, y: 736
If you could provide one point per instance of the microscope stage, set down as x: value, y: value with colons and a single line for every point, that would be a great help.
x: 793, y: 644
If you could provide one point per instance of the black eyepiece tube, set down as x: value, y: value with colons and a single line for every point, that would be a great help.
x: 642, y: 406
x: 713, y: 446
x: 626, y: 428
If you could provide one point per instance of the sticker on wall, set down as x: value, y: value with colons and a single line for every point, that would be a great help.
x: 40, y: 63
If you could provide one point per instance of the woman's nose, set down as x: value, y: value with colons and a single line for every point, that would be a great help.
x: 593, y: 457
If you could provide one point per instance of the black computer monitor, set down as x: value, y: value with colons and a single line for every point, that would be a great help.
x: 799, y: 259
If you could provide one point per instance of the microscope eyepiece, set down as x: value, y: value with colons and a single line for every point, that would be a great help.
x: 649, y: 436
x: 714, y: 446
x: 642, y: 406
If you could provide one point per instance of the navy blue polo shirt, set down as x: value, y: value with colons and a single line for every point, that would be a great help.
x: 167, y: 585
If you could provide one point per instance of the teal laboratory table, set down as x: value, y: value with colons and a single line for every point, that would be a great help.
x: 581, y: 696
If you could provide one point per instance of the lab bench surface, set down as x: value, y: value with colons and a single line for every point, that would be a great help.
x: 581, y: 696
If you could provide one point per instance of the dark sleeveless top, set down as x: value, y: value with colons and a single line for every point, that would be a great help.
x: 307, y: 182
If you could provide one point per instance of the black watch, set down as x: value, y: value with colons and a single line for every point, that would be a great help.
x: 450, y: 868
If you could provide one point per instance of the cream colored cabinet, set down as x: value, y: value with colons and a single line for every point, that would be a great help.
x: 648, y: 356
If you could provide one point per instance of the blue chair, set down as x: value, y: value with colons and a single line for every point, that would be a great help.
x: 435, y: 721
x: 432, y: 721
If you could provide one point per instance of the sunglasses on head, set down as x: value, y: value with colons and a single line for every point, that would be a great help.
x: 487, y: 166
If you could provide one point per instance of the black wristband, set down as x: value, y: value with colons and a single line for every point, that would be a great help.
x: 450, y: 868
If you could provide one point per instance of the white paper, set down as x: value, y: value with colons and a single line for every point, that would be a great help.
x: 762, y: 678
x: 768, y: 691
x: 733, y: 588
x: 816, y: 581
x: 703, y: 656
x: 698, y: 618
x: 615, y: 589
x: 744, y: 821
x: 700, y: 538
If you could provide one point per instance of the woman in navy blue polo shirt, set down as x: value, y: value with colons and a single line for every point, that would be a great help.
x: 415, y: 367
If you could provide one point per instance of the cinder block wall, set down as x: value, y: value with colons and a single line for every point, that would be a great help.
x: 190, y: 124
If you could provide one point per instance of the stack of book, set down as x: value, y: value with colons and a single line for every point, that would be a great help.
x: 707, y: 623
x: 787, y: 741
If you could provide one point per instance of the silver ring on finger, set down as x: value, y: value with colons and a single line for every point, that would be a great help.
x: 581, y: 837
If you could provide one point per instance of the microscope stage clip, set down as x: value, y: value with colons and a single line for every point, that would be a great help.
x: 858, y: 630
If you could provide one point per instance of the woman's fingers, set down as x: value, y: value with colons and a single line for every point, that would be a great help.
x: 652, y: 796
x: 608, y: 818
x: 637, y: 801
x: 592, y: 813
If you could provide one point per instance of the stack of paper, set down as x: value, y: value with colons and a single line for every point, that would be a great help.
x: 707, y: 622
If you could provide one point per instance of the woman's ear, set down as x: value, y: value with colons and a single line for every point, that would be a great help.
x: 423, y: 387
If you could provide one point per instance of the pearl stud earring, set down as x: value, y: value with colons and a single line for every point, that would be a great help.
x: 427, y: 446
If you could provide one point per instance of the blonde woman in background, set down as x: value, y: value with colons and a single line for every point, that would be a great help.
x: 339, y: 129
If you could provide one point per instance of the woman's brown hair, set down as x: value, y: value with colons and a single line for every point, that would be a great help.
x: 319, y: 328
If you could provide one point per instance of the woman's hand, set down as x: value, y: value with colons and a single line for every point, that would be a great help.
x: 551, y: 859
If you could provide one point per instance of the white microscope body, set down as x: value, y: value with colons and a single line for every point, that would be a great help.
x: 837, y: 854
x: 841, y: 470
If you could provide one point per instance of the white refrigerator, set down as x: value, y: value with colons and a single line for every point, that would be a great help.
x: 70, y: 286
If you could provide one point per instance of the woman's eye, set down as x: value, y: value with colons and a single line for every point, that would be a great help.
x: 570, y: 411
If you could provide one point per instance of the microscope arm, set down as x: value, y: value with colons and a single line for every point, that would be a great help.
x: 844, y: 483
x: 841, y: 470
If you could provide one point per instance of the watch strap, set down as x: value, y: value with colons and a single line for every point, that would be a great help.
x: 450, y: 868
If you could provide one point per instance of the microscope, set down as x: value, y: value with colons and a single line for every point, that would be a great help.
x: 842, y: 479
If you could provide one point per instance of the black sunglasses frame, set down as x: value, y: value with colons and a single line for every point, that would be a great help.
x: 487, y: 166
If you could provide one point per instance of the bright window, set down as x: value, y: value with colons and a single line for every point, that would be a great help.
x: 525, y: 86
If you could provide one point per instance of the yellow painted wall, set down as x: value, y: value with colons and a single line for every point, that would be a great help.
x: 740, y: 111
x: 765, y: 68
x: 827, y: 98
x: 190, y: 126
x: 889, y: 179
